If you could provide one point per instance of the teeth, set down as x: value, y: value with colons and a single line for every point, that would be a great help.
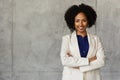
x: 81, y: 27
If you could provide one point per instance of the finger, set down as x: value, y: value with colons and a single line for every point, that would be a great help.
x: 69, y: 54
x: 76, y: 67
x: 95, y: 57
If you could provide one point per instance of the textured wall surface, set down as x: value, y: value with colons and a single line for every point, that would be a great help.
x: 31, y: 31
x: 108, y: 28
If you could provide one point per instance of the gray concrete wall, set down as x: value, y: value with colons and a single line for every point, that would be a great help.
x: 31, y: 31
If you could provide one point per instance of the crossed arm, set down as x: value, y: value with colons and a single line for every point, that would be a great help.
x: 90, y: 60
x: 83, y: 64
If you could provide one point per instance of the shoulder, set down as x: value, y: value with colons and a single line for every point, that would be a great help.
x: 93, y: 36
x: 66, y: 36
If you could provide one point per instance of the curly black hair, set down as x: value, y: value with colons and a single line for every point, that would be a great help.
x: 74, y: 10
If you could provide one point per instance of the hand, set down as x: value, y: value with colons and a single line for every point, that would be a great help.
x: 76, y: 67
x: 70, y: 55
x: 92, y: 59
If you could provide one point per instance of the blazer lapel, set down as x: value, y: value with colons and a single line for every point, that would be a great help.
x: 74, y: 44
x: 90, y: 51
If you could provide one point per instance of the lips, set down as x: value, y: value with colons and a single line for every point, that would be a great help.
x: 81, y: 28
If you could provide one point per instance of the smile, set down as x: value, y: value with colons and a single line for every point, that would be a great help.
x: 81, y: 28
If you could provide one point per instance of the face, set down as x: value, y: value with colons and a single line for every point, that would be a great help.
x: 80, y: 23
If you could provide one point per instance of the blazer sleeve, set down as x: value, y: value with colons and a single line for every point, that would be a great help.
x: 70, y: 61
x: 99, y: 62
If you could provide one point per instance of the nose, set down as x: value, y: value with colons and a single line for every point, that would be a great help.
x: 81, y: 23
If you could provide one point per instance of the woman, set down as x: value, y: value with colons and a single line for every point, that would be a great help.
x: 82, y: 54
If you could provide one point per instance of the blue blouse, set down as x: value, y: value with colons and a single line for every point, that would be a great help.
x: 83, y: 45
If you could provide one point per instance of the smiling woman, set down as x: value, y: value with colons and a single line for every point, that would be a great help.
x: 81, y: 24
x: 82, y: 54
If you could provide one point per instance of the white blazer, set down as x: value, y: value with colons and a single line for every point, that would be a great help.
x: 86, y: 71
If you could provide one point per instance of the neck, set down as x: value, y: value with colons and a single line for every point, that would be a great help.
x: 83, y: 34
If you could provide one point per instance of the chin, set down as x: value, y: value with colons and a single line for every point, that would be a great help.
x: 81, y: 31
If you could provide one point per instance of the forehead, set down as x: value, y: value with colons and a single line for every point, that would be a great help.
x: 81, y: 15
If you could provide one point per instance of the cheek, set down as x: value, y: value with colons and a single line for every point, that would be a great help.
x: 86, y: 24
x: 76, y: 24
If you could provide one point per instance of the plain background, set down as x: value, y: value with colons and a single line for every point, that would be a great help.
x: 31, y: 33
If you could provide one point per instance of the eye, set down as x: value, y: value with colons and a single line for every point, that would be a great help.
x: 84, y: 20
x: 77, y: 20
